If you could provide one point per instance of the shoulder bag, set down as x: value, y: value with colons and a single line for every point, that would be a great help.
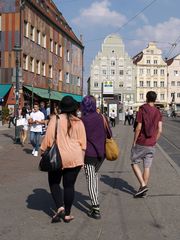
x: 51, y: 158
x: 111, y: 147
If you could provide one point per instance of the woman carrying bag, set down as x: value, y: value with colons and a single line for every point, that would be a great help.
x: 95, y: 152
x: 71, y: 142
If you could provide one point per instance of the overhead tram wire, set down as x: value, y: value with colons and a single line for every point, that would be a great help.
x: 173, y: 46
x: 126, y: 23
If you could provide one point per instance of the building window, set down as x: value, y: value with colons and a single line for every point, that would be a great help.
x: 155, y: 71
x: 162, y: 72
x: 141, y: 96
x: 121, y: 72
x: 26, y: 29
x: 104, y: 72
x: 172, y: 83
x: 121, y: 84
x: 178, y: 83
x: 141, y: 71
x: 148, y: 71
x: 68, y: 55
x: 67, y: 77
x: 60, y: 75
x: 148, y: 84
x: 96, y: 84
x: 176, y: 73
x: 60, y: 50
x: 141, y: 83
x: 32, y: 33
x: 155, y: 83
x: 112, y: 63
x: 56, y: 48
x: 178, y: 95
x: 50, y: 71
x: 112, y: 72
x: 148, y: 61
x: 162, y: 84
x: 31, y: 64
x: 51, y: 45
x: 38, y: 37
x: 38, y: 69
x: 43, y: 70
x: 25, y: 62
x: 161, y: 96
x: 155, y: 61
x: 44, y: 40
x: 78, y: 81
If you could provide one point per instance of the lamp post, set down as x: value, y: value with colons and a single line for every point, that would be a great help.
x: 49, y: 91
x: 17, y: 49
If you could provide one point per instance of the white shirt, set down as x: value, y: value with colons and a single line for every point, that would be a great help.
x: 112, y: 115
x: 39, y: 116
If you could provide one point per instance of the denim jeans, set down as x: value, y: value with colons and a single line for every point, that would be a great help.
x: 35, y: 139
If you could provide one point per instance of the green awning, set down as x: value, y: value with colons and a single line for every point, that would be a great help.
x: 4, y: 89
x: 54, y: 95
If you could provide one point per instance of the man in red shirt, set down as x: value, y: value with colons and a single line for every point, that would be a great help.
x: 147, y: 132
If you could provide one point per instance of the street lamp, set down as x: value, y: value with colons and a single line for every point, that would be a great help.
x: 17, y: 49
x: 49, y: 91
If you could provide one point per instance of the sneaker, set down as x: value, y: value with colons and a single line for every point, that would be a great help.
x: 33, y: 151
x: 94, y: 213
x: 36, y: 154
x: 141, y: 191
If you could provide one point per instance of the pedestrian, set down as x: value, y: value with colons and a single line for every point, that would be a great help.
x: 36, y: 121
x: 147, y: 132
x: 126, y: 117
x: 11, y: 117
x: 71, y: 141
x: 95, y: 152
x: 112, y: 118
x: 131, y: 116
x: 24, y: 131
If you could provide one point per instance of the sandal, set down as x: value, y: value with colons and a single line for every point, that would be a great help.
x: 57, y: 217
x: 67, y: 220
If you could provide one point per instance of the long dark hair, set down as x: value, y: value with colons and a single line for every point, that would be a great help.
x: 69, y: 125
x: 24, y: 112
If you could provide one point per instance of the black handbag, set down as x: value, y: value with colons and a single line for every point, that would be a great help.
x: 51, y: 158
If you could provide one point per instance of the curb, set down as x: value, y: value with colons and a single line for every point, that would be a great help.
x: 169, y: 159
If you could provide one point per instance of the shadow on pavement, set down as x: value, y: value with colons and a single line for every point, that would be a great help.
x: 41, y: 200
x: 118, y: 183
x: 27, y: 150
x: 8, y: 136
x: 80, y: 202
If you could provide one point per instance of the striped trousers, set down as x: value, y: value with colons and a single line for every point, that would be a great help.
x: 91, y: 172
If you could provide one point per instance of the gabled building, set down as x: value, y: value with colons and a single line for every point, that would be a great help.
x: 112, y: 73
x: 51, y: 60
x: 151, y: 74
x: 174, y: 82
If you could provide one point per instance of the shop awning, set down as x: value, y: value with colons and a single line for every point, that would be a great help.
x: 4, y: 89
x: 54, y: 95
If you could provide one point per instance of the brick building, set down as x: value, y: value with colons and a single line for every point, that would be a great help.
x: 51, y: 60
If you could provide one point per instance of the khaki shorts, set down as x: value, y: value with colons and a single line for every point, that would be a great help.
x: 142, y: 153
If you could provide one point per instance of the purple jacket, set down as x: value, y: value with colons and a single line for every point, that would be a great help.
x: 96, y: 135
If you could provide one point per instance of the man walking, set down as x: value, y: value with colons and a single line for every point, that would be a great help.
x: 147, y: 132
x: 36, y: 120
x: 112, y: 118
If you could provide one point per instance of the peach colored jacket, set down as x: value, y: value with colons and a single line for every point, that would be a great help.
x: 71, y: 148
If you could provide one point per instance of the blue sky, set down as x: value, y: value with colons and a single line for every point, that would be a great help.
x: 95, y: 19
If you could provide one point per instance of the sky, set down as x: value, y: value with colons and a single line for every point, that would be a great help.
x: 136, y: 21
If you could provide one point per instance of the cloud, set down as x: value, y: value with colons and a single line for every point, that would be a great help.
x: 99, y: 13
x: 143, y: 18
x: 165, y: 34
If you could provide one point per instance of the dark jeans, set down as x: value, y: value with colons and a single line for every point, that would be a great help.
x: 69, y: 178
x: 11, y: 120
x: 35, y: 139
x: 113, y: 122
x: 126, y: 119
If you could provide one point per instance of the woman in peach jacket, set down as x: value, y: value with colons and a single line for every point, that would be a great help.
x: 71, y: 141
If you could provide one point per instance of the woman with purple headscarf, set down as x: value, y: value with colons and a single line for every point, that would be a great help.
x: 95, y: 151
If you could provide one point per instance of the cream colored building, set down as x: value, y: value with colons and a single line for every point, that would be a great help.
x: 112, y: 73
x: 174, y: 82
x: 151, y: 75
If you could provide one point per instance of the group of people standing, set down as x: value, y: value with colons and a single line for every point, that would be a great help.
x: 129, y: 116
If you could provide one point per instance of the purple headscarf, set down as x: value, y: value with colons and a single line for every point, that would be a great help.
x: 88, y: 104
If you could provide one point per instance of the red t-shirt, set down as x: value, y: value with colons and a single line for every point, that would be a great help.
x: 154, y: 117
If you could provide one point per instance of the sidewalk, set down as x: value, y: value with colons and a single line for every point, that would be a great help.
x: 26, y: 203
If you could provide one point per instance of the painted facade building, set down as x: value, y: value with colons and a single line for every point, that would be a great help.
x: 174, y: 82
x: 112, y: 74
x: 151, y: 74
x: 51, y: 60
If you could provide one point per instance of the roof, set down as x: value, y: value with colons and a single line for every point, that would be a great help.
x: 4, y: 89
x: 54, y: 95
